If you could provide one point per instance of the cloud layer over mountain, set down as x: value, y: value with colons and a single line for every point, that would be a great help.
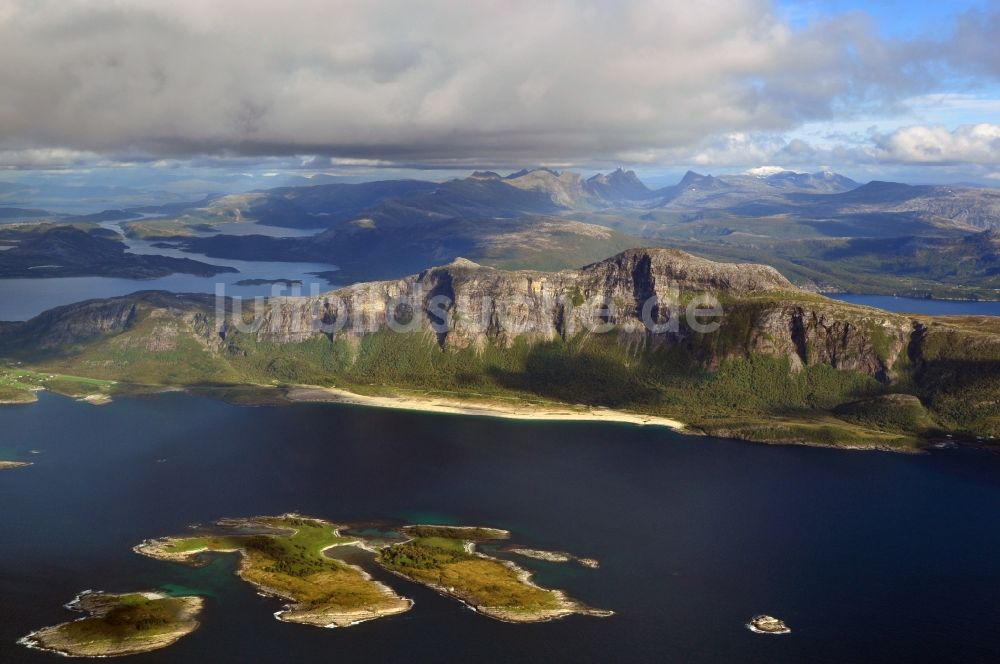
x: 450, y: 83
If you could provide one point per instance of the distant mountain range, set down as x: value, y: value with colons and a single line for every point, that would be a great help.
x: 544, y: 218
x: 621, y: 188
x: 486, y: 194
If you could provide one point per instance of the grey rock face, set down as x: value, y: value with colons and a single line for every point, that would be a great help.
x: 822, y: 334
x: 467, y: 304
x: 464, y: 304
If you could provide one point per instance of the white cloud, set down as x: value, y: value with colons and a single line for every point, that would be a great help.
x: 936, y: 144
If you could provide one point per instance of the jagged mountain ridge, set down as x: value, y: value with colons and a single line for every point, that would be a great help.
x: 699, y: 192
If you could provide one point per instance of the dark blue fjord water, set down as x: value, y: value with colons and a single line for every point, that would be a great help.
x: 911, y: 305
x: 870, y: 557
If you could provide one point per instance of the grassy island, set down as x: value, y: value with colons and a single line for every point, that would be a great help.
x: 284, y: 557
x: 119, y: 625
x: 445, y: 559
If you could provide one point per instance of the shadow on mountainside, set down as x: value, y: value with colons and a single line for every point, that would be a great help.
x: 583, y: 377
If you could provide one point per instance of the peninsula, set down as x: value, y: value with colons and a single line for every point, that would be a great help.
x: 118, y: 625
x: 284, y: 557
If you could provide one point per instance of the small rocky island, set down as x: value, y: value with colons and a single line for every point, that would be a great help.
x: 445, y: 559
x: 555, y: 556
x: 118, y: 625
x: 287, y: 557
x: 4, y: 465
x: 284, y: 557
x: 764, y: 624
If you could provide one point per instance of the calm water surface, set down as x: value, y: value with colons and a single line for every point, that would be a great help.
x: 910, y: 305
x: 20, y: 299
x: 868, y: 556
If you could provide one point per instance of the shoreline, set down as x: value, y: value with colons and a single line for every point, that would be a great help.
x: 555, y: 412
x: 317, y: 394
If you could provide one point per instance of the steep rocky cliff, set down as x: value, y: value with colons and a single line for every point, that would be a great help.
x: 634, y: 295
x: 482, y: 304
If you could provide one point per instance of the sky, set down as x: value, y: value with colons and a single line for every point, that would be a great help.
x: 187, y: 94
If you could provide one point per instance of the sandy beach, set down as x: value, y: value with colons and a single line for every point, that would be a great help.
x: 478, y: 408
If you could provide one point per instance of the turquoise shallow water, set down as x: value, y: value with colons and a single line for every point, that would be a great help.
x: 868, y: 556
